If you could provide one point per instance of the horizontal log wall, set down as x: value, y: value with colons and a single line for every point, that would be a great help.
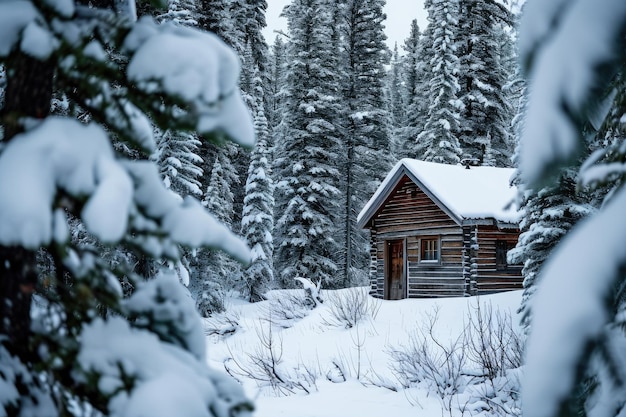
x: 489, y: 279
x: 444, y: 279
x: 410, y: 214
x: 409, y: 210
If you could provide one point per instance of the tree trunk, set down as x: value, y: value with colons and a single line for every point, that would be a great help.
x: 349, y: 224
x: 28, y: 94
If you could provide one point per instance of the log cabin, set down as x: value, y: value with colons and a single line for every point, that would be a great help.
x: 442, y: 231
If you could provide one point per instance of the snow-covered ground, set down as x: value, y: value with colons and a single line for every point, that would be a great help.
x: 298, y: 362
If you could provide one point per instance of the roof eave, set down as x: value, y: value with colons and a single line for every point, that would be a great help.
x: 381, y: 198
x: 491, y: 222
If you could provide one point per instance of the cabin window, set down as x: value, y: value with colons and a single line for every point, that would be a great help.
x: 502, y: 248
x: 429, y: 249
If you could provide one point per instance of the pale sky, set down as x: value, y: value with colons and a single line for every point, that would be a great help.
x: 397, y: 27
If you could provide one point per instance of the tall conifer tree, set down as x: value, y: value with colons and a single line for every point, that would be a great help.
x: 257, y: 221
x: 485, y: 128
x: 366, y: 139
x: 215, y: 270
x: 396, y: 104
x: 439, y: 141
x: 276, y: 85
x: 415, y: 78
x: 307, y: 163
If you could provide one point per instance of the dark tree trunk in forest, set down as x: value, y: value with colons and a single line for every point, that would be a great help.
x: 28, y: 95
x: 348, y: 221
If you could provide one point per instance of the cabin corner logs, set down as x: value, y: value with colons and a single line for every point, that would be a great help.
x: 419, y: 250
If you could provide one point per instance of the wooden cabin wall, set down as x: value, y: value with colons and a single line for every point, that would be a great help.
x: 488, y: 278
x: 410, y: 214
x: 408, y: 210
x: 444, y: 279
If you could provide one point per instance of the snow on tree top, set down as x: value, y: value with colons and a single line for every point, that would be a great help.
x: 477, y: 192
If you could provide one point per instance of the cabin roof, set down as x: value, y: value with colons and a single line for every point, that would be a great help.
x: 470, y: 194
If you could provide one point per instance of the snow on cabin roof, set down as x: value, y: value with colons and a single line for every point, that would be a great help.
x: 466, y: 194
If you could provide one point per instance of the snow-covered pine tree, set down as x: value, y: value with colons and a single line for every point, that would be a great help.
x: 548, y: 216
x: 485, y: 122
x: 181, y: 12
x: 307, y: 193
x: 176, y: 153
x: 86, y: 347
x: 366, y: 128
x: 257, y: 222
x: 396, y: 106
x: 579, y: 344
x: 253, y: 35
x: 213, y: 271
x: 412, y: 61
x: 249, y: 18
x: 415, y: 79
x: 177, y: 156
x: 216, y: 16
x: 276, y: 85
x: 439, y: 141
x: 178, y: 161
x: 219, y: 198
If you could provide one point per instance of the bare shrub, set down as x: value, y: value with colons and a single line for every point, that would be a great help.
x: 496, y: 348
x: 347, y: 365
x: 497, y: 397
x: 349, y: 307
x: 265, y: 365
x: 494, y: 344
x: 222, y: 324
x: 285, y: 310
x: 429, y: 360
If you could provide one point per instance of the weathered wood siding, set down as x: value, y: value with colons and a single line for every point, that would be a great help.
x: 488, y: 278
x: 410, y: 214
x: 408, y: 210
x: 444, y: 279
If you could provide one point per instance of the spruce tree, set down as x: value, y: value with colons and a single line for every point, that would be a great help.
x: 366, y: 138
x: 176, y: 153
x: 257, y: 221
x: 412, y: 61
x: 255, y: 24
x: 219, y: 17
x: 97, y: 346
x: 549, y: 215
x: 396, y: 105
x: 249, y: 19
x: 215, y: 16
x: 415, y: 79
x: 485, y: 123
x: 308, y: 189
x: 181, y: 12
x: 214, y: 271
x: 275, y: 96
x: 574, y: 362
x: 439, y: 141
x: 178, y: 161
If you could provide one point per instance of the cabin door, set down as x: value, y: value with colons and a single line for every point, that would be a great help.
x: 395, y: 270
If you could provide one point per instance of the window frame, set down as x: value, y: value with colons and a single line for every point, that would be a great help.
x: 423, y: 249
x: 506, y: 246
